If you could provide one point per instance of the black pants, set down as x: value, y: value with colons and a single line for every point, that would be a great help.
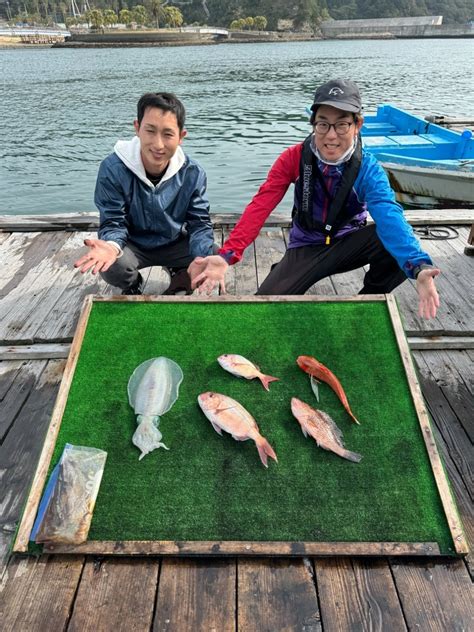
x: 301, y: 267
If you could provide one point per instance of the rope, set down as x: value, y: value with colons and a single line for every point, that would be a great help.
x: 436, y: 232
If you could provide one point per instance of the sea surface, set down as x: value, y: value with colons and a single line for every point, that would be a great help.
x: 62, y: 110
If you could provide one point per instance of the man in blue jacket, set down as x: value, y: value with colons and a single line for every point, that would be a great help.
x: 336, y: 184
x: 152, y: 202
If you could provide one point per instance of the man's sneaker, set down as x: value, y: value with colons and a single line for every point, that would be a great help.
x: 180, y: 282
x: 136, y: 289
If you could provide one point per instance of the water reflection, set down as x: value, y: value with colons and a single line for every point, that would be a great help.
x: 65, y: 109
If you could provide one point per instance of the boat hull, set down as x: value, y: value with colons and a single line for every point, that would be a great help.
x: 426, y: 164
x: 417, y: 186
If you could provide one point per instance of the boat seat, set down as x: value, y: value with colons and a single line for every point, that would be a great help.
x: 378, y: 141
x: 438, y: 140
x: 378, y: 129
x: 411, y: 140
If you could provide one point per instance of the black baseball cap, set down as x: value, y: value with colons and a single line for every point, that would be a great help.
x: 342, y: 94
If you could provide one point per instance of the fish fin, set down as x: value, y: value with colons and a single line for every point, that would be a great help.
x: 136, y: 378
x: 314, y: 386
x: 266, y: 379
x: 337, y: 432
x: 264, y: 450
x: 239, y: 438
x: 303, y: 430
x: 351, y: 456
x: 216, y: 428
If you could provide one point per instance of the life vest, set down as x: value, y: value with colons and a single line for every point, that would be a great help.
x: 339, y: 213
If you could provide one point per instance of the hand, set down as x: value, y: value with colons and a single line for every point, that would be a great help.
x: 427, y: 293
x: 100, y: 257
x: 207, y: 272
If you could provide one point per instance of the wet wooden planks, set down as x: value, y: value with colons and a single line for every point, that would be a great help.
x: 41, y: 293
x: 55, y: 592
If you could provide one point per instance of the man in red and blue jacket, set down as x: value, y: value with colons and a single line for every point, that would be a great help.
x: 336, y: 184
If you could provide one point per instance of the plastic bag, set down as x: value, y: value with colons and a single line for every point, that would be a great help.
x: 65, y: 512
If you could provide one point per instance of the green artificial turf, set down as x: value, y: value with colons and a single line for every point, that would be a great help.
x: 210, y: 487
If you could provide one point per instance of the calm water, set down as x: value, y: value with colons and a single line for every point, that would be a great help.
x: 62, y: 109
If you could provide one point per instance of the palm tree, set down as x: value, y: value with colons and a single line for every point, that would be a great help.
x: 156, y: 9
x: 110, y: 17
x: 173, y: 16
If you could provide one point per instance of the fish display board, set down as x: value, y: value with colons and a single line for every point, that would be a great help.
x: 210, y: 494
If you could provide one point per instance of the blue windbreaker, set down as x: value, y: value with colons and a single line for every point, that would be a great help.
x: 133, y: 209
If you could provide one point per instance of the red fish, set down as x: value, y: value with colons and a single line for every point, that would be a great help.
x: 314, y: 368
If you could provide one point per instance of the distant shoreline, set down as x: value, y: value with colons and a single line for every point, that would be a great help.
x: 165, y: 38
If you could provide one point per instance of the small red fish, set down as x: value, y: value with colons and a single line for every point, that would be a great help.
x: 311, y: 366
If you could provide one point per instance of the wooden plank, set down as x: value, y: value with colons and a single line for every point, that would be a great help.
x: 23, y: 253
x: 455, y: 448
x: 37, y: 594
x: 90, y: 220
x: 59, y: 318
x: 196, y: 595
x: 52, y: 222
x: 244, y: 548
x: 17, y: 395
x: 455, y: 281
x: 47, y: 299
x: 27, y: 297
x: 115, y: 594
x: 21, y: 543
x: 454, y: 374
x: 349, y: 283
x: 358, y: 595
x: 241, y: 279
x: 440, y: 342
x: 270, y: 248
x: 8, y: 372
x: 276, y: 594
x: 20, y: 451
x: 34, y: 352
x: 449, y: 506
x: 435, y: 596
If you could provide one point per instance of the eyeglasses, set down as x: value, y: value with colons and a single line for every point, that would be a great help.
x: 341, y: 128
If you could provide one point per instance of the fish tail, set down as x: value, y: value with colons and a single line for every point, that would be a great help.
x: 351, y: 456
x: 266, y: 379
x: 264, y: 450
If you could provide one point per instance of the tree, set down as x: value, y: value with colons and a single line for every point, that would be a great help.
x: 173, y: 17
x: 156, y: 9
x: 110, y: 17
x: 95, y: 18
x: 249, y: 22
x: 140, y: 15
x: 125, y: 17
x: 260, y: 22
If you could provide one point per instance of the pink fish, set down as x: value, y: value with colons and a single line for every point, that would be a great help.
x: 225, y: 413
x: 322, y: 428
x: 241, y: 367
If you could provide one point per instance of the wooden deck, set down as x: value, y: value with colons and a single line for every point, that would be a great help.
x: 41, y: 295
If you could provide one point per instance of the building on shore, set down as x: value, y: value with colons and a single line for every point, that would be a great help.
x: 410, y: 27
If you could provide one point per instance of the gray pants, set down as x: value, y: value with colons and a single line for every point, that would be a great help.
x: 124, y: 272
